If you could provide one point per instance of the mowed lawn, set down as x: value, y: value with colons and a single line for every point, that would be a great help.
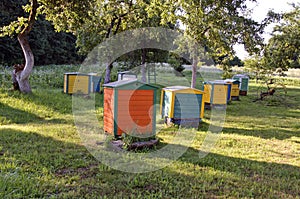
x: 42, y: 156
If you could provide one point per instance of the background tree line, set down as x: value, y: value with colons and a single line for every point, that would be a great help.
x: 48, y: 46
x: 216, y: 26
x: 282, y: 50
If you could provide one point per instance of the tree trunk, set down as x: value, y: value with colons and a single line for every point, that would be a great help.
x: 107, y: 73
x: 194, y: 71
x: 23, y: 76
x: 143, y: 66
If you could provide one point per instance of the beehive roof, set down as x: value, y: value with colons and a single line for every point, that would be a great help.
x: 216, y: 82
x: 240, y: 76
x: 123, y: 83
x: 232, y: 80
x: 182, y: 88
x: 75, y: 73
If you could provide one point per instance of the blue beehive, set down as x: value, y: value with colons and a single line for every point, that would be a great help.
x: 182, y: 105
x: 94, y: 82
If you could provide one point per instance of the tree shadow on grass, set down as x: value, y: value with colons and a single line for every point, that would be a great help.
x: 29, y: 164
x: 36, y: 166
x: 57, y: 100
x: 12, y: 115
x: 257, y: 176
x: 9, y: 115
x: 265, y: 134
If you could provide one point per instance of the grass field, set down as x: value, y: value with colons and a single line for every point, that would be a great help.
x: 42, y: 156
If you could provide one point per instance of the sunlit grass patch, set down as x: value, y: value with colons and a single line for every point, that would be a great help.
x: 43, y: 156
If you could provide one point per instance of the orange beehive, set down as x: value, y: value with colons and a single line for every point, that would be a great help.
x: 129, y: 107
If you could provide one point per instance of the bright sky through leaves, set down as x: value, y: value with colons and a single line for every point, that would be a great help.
x: 260, y: 11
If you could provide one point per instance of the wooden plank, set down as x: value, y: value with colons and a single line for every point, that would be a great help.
x: 135, y: 103
x: 134, y: 108
x: 137, y: 113
x: 136, y: 98
x: 137, y: 117
x: 136, y: 92
x: 133, y: 121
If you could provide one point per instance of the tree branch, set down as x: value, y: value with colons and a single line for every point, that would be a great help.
x: 31, y: 19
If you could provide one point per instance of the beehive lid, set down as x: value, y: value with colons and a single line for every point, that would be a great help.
x: 219, y: 82
x: 74, y: 73
x: 130, y: 84
x: 240, y: 76
x: 182, y: 89
x: 232, y: 80
x: 93, y: 74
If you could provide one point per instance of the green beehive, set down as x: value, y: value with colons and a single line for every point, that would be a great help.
x: 244, y: 83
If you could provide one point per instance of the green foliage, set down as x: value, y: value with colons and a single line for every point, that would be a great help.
x: 236, y: 61
x: 227, y: 74
x: 48, y: 46
x: 176, y: 62
x: 217, y: 25
x: 51, y: 76
x: 256, y: 67
x: 282, y: 50
x: 133, y: 137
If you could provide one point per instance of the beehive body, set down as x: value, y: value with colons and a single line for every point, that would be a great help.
x: 235, y: 91
x: 219, y: 94
x: 244, y: 83
x: 215, y: 92
x: 228, y: 92
x: 182, y: 103
x: 129, y: 108
x: 76, y: 83
x: 108, y: 115
x: 207, y: 93
x: 95, y: 82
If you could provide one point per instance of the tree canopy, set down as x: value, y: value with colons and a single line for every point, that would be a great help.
x: 282, y: 50
x: 215, y: 25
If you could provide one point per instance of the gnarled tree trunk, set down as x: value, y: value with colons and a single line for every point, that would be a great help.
x: 23, y: 76
x: 107, y: 73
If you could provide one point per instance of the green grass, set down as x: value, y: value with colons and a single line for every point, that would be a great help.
x: 42, y: 156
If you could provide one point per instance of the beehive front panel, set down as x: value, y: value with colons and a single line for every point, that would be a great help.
x: 239, y: 79
x: 135, y: 111
x: 108, y: 117
x: 71, y: 82
x: 95, y: 83
x: 187, y: 106
x: 229, y: 86
x: 65, y: 83
x: 244, y: 84
x: 207, y: 93
x: 235, y: 91
x: 81, y: 84
x: 167, y: 100
x: 219, y: 95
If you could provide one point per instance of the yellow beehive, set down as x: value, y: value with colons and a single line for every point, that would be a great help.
x: 76, y: 83
x: 235, y: 91
x: 215, y: 92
